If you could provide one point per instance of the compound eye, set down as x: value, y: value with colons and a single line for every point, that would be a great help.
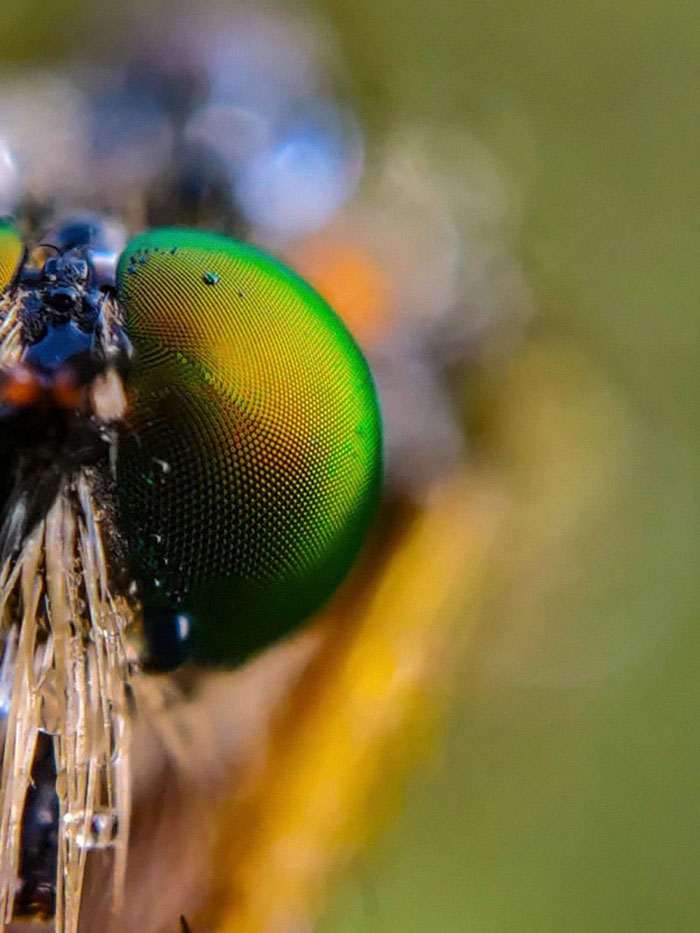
x: 11, y: 252
x: 252, y: 468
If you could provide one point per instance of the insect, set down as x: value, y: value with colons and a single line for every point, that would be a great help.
x: 191, y: 458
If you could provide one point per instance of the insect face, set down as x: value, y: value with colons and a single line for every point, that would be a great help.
x: 195, y: 497
x: 62, y: 364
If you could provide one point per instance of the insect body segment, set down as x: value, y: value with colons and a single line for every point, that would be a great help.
x: 66, y: 660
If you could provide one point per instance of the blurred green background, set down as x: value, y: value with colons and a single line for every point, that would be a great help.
x: 565, y: 794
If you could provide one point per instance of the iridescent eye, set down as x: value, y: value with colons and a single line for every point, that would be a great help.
x: 11, y: 251
x: 252, y: 468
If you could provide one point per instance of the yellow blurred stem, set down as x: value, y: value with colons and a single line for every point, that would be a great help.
x: 359, y: 717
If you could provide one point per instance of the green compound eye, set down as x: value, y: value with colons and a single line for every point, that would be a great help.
x: 11, y: 252
x: 253, y: 465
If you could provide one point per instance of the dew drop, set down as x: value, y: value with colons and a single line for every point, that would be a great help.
x: 50, y: 705
x: 210, y: 278
x: 117, y: 736
x: 98, y: 831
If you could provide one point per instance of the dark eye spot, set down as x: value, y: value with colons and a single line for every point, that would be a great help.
x: 168, y: 635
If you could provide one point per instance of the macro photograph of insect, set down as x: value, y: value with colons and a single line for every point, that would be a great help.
x: 348, y: 467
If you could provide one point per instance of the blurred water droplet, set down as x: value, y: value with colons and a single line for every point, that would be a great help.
x: 117, y: 734
x: 97, y: 831
x: 10, y: 187
x: 50, y: 705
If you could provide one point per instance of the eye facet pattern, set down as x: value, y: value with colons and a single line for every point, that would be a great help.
x: 11, y: 252
x: 252, y: 467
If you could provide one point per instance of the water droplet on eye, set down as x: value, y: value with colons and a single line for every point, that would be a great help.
x: 98, y: 831
x: 117, y: 736
x: 50, y: 705
x: 210, y: 278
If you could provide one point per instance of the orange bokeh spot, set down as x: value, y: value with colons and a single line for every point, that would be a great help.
x: 351, y: 282
x: 66, y: 392
x: 20, y: 388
